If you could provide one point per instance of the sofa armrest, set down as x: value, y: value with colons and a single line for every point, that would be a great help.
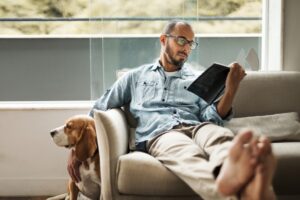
x: 112, y: 137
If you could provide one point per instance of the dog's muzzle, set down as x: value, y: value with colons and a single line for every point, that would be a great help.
x: 53, y: 133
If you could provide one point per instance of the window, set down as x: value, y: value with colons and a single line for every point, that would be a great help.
x: 226, y: 30
x: 47, y: 17
x: 77, y: 46
x: 272, y: 35
x: 51, y: 17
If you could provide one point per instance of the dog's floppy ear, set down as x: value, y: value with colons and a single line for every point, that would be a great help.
x: 87, y: 144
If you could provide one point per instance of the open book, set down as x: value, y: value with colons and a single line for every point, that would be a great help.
x: 210, y: 84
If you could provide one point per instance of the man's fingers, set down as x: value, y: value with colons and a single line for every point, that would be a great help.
x: 237, y: 71
x: 73, y: 167
x: 71, y: 173
x: 76, y: 171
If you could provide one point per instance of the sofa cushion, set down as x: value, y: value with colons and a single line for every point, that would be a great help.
x: 264, y: 93
x: 278, y: 127
x: 147, y: 176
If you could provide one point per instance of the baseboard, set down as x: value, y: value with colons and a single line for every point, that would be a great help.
x: 32, y: 187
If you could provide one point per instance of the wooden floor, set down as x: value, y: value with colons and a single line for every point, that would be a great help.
x: 24, y: 198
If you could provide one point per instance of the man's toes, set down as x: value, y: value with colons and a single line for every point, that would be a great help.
x: 244, y: 137
x: 238, y: 143
x: 260, y: 169
x: 264, y: 146
x: 254, y: 149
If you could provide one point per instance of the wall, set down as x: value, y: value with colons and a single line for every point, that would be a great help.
x: 31, y: 164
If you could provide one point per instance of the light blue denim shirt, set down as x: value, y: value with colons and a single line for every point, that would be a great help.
x: 158, y: 102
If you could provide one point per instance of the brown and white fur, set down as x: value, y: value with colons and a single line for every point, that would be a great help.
x: 79, y: 134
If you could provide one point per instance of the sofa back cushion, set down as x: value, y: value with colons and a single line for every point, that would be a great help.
x: 263, y: 93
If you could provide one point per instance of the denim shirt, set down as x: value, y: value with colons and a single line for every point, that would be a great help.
x: 158, y: 102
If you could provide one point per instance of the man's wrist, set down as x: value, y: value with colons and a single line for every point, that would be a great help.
x: 230, y: 92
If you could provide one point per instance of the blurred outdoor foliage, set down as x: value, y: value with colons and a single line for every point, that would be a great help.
x: 101, y: 9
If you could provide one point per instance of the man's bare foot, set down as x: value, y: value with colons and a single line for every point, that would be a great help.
x: 260, y: 187
x: 239, y: 167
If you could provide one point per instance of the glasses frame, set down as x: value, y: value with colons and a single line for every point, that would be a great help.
x: 183, y: 40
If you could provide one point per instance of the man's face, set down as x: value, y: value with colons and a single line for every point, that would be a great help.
x: 176, y: 53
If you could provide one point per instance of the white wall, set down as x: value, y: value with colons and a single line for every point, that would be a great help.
x: 30, y: 163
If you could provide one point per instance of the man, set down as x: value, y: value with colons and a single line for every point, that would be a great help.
x: 184, y: 133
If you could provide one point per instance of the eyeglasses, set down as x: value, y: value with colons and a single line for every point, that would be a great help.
x: 182, y: 41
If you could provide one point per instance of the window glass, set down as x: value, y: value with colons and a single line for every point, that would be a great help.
x: 89, y: 41
x: 127, y: 17
x: 226, y: 31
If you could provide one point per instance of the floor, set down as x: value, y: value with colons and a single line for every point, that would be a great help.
x: 24, y: 198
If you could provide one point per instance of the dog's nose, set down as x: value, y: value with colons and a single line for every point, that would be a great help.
x: 53, y: 133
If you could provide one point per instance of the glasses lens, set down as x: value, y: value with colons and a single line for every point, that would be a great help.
x: 193, y: 45
x: 181, y: 41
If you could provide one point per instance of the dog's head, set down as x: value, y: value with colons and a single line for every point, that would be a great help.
x: 78, y: 132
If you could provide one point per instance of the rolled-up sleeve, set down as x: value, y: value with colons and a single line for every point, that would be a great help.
x: 209, y: 113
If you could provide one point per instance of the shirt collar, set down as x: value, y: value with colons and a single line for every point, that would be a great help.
x: 182, y: 72
x: 156, y: 65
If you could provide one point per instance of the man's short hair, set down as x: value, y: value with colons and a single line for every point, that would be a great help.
x: 171, y: 25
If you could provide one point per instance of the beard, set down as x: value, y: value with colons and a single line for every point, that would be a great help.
x: 171, y: 58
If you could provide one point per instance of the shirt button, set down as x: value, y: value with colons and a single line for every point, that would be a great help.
x: 165, y: 88
x: 184, y: 87
x: 163, y: 99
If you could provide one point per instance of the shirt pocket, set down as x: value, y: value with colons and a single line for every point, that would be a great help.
x: 183, y: 96
x: 145, y: 91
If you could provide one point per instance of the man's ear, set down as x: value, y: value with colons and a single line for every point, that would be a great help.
x: 163, y: 39
x: 87, y: 145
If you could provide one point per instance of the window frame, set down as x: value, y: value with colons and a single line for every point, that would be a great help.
x: 272, y: 35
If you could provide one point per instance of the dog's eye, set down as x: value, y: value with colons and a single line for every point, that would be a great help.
x: 68, y: 126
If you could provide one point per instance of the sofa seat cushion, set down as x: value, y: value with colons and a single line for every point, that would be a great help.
x: 287, y: 175
x: 147, y: 176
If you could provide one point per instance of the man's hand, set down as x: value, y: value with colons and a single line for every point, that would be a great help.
x: 73, y: 167
x: 235, y: 76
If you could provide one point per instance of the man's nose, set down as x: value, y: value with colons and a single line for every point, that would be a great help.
x: 187, y: 48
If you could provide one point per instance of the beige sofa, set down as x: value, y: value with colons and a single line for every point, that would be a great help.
x: 137, y: 176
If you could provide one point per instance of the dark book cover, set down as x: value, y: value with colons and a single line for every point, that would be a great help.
x: 210, y: 84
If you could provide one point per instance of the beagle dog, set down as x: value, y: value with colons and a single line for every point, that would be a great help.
x: 79, y: 134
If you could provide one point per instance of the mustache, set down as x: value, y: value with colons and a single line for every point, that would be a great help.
x: 182, y: 52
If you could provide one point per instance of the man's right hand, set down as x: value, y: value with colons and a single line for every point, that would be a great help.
x: 73, y: 167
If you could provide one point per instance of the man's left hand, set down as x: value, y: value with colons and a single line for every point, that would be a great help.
x: 235, y: 76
